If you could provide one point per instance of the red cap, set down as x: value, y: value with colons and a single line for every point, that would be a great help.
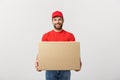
x: 57, y: 14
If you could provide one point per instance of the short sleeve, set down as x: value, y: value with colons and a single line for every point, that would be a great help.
x: 44, y: 37
x: 72, y: 38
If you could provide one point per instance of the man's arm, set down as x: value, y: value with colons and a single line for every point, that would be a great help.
x: 80, y: 66
x: 72, y: 38
x: 37, y: 64
x: 44, y: 38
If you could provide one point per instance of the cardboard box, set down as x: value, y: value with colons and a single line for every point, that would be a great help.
x: 59, y: 56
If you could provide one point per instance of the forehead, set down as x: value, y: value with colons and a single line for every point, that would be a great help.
x: 57, y: 18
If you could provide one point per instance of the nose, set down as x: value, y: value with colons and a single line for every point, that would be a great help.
x: 57, y: 21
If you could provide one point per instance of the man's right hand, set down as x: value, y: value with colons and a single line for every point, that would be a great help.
x: 37, y: 66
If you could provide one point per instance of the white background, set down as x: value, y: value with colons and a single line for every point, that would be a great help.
x: 95, y: 23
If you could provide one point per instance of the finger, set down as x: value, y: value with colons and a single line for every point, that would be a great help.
x: 37, y: 64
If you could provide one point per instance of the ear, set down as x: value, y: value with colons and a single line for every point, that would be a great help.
x: 63, y: 20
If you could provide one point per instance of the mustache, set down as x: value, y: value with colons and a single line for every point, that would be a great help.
x: 59, y: 27
x: 58, y: 23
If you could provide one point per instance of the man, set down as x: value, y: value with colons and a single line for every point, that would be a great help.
x: 57, y: 34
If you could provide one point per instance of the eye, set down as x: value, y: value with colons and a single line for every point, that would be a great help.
x: 60, y: 19
x: 55, y: 19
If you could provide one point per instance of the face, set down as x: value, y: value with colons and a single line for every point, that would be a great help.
x: 57, y: 22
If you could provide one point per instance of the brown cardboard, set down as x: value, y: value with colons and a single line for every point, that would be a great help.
x: 59, y: 56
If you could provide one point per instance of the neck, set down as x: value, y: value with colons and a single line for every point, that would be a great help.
x: 57, y: 30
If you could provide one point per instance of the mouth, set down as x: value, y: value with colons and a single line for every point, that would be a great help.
x: 57, y: 24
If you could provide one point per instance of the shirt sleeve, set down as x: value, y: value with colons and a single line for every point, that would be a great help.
x: 44, y: 37
x: 72, y: 38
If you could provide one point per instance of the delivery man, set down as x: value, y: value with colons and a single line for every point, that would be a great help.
x: 57, y: 34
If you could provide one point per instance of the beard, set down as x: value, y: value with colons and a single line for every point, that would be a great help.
x: 58, y: 28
